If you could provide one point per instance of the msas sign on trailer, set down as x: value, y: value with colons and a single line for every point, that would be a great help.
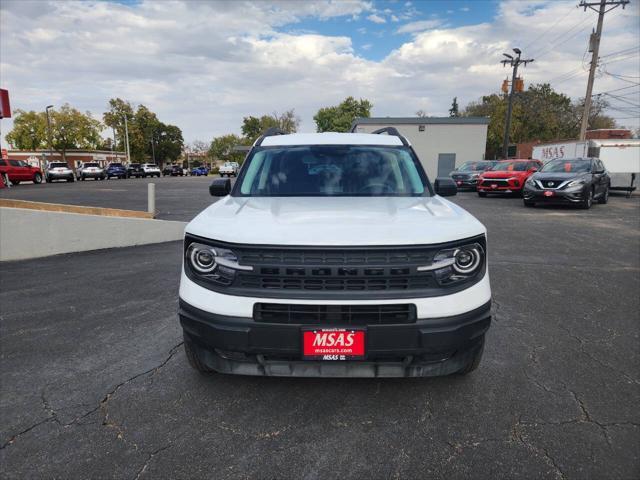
x: 559, y: 150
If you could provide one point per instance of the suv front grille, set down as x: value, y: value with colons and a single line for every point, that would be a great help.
x: 334, y: 314
x: 349, y: 273
x: 498, y: 182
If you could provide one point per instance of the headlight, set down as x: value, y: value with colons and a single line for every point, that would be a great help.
x: 576, y: 183
x: 458, y: 263
x: 474, y: 176
x: 214, y: 264
x: 531, y: 182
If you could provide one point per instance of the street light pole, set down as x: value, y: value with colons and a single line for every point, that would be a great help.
x: 49, y: 131
x: 126, y: 137
x: 514, y: 62
x: 153, y: 149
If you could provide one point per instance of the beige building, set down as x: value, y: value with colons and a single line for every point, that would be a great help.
x: 441, y: 143
x: 40, y: 158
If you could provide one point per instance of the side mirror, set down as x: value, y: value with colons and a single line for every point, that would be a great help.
x: 445, y: 187
x: 534, y: 169
x: 220, y: 187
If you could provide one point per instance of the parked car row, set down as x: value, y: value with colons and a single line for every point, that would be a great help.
x: 577, y: 181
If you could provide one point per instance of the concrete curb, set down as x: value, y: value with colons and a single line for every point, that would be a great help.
x: 58, y: 207
x: 29, y: 233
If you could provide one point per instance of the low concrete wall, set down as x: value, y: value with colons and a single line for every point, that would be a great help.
x: 28, y: 233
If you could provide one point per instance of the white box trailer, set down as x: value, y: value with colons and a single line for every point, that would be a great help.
x: 621, y: 158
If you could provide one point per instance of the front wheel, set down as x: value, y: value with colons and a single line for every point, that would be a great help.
x: 474, y: 361
x: 482, y: 194
x: 47, y: 179
x: 37, y: 178
x: 193, y: 358
x: 15, y: 182
x: 588, y: 199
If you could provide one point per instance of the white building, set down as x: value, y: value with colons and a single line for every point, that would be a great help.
x: 442, y: 143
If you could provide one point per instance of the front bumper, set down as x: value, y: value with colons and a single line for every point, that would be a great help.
x: 60, y: 176
x: 490, y: 188
x: 566, y: 196
x: 428, y: 347
x: 93, y: 174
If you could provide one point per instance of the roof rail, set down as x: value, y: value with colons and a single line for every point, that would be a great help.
x: 269, y: 132
x: 392, y: 131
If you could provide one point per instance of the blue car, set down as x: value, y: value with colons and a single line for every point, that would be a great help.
x: 116, y: 170
x: 200, y: 171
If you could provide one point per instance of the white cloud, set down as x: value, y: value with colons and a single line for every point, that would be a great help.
x: 394, y: 18
x: 419, y: 26
x: 465, y: 9
x: 203, y: 66
x: 376, y: 18
x: 367, y: 46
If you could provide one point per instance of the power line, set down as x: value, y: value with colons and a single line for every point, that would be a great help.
x: 618, y: 89
x: 550, y: 45
x: 594, y: 43
x: 549, y: 29
x: 630, y: 49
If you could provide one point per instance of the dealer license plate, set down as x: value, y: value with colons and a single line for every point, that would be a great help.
x: 548, y: 194
x: 333, y: 344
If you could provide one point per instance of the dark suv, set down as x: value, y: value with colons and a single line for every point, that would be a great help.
x: 135, y: 170
x: 577, y: 181
x: 172, y: 170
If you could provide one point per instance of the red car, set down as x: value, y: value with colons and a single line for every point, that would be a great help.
x: 18, y: 171
x: 507, y: 176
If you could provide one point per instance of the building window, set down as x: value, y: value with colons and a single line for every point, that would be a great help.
x: 421, y: 128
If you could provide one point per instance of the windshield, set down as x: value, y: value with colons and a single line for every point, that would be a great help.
x: 510, y: 167
x: 150, y: 165
x: 575, y: 165
x: 115, y: 165
x: 58, y: 165
x: 90, y: 165
x: 475, y: 166
x: 331, y: 171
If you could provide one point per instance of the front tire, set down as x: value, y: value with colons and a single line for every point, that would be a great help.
x: 482, y: 194
x: 588, y: 200
x: 193, y: 358
x: 37, y: 178
x: 474, y: 361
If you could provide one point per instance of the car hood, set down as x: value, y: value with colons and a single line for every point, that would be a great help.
x: 335, y: 221
x: 558, y: 175
x: 503, y: 174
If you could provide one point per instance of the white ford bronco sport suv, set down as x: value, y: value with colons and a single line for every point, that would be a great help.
x: 333, y: 255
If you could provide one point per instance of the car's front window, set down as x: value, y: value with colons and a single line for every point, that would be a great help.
x: 510, y: 167
x: 468, y: 167
x: 567, y: 166
x: 57, y: 165
x: 331, y: 171
x: 90, y: 164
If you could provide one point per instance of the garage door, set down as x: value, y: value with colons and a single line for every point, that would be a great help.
x: 446, y: 164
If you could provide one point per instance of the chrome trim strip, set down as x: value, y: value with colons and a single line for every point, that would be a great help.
x: 435, y: 266
x: 225, y: 262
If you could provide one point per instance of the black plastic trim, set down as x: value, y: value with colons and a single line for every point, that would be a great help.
x: 344, y: 295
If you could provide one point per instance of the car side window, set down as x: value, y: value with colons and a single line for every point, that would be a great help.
x: 14, y: 163
x: 600, y: 165
x: 3, y: 163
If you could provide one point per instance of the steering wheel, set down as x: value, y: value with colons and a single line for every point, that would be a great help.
x: 382, y: 186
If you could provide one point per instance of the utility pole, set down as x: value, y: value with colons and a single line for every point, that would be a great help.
x: 126, y: 138
x: 594, y: 47
x: 49, y: 131
x: 515, y: 63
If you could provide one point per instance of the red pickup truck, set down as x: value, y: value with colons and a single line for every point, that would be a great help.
x: 18, y: 171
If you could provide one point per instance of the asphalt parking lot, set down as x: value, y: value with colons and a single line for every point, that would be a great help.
x: 177, y: 198
x: 96, y: 385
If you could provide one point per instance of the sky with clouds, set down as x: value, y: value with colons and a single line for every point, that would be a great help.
x: 205, y: 65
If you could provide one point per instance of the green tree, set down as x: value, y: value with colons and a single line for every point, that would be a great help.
x: 72, y: 129
x: 114, y: 118
x: 453, y: 111
x: 539, y: 113
x: 29, y: 130
x: 168, y: 143
x: 222, y: 148
x: 253, y: 127
x: 340, y: 117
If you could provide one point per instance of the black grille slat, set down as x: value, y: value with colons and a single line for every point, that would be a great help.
x: 361, y: 315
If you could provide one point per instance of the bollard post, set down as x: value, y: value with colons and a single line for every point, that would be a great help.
x: 151, y: 199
